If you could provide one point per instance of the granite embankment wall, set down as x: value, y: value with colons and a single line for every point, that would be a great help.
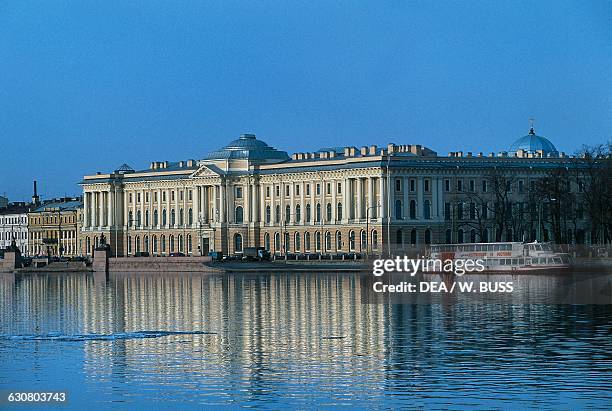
x: 157, y: 264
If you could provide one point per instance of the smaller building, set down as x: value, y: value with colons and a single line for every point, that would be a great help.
x: 3, y: 202
x: 14, y: 225
x: 54, y: 227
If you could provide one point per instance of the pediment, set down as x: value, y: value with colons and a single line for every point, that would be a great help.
x: 207, y: 171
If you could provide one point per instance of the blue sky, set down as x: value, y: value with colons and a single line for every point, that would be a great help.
x: 88, y: 85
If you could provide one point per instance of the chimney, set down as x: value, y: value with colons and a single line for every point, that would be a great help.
x: 35, y: 198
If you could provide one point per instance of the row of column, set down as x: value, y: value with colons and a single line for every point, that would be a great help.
x: 436, y: 202
x: 99, y: 209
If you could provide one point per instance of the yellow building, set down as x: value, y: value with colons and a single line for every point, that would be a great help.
x: 53, y: 228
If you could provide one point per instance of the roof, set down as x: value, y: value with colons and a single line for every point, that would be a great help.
x: 250, y: 148
x: 70, y: 205
x: 14, y: 209
x: 531, y: 143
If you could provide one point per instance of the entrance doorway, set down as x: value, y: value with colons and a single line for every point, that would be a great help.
x: 205, y: 246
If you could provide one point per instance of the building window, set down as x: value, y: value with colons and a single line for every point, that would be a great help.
x: 296, y: 241
x: 412, y: 184
x: 427, y: 209
x: 318, y: 189
x: 328, y: 244
x: 172, y: 199
x: 447, y: 211
x: 190, y: 196
x: 277, y: 188
x: 138, y: 197
x: 399, y: 238
x: 298, y: 213
x: 338, y: 241
x: 163, y: 196
x: 237, y: 243
x: 449, y: 239
x: 164, y: 217
x: 238, y: 215
x: 459, y: 185
x: 460, y: 236
x: 172, y: 217
x: 287, y: 190
x: 472, y: 235
x: 146, y: 218
x: 472, y: 212
x: 287, y: 213
x: 318, y: 241
x: 362, y: 240
x: 318, y: 212
x: 484, y: 186
x: 328, y: 189
x: 472, y: 186
x: 374, y: 240
x: 339, y: 188
x: 287, y: 243
x: 398, y: 184
x: 413, y: 237
x: 308, y: 213
x: 307, y: 241
x: 181, y: 217
x: 276, y: 241
x: 339, y: 212
x: 131, y: 219
x: 427, y: 188
x: 138, y: 219
x: 446, y: 185
x: 268, y: 214
x: 351, y: 240
x: 521, y: 187
x: 307, y: 189
x: 398, y: 210
x: 484, y: 212
x: 459, y: 211
x: 428, y: 236
x: 267, y: 192
x: 155, y: 218
x: 238, y: 192
x: 328, y: 212
x: 297, y: 190
x: 190, y: 217
x: 277, y: 214
x: 412, y: 209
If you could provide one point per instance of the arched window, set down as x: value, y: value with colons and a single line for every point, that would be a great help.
x: 189, y: 244
x: 472, y: 236
x: 172, y: 217
x: 155, y: 218
x: 88, y: 245
x: 129, y: 245
x: 328, y: 212
x: 307, y: 241
x: 287, y: 243
x: 267, y: 241
x: 154, y: 243
x: 180, y: 243
x: 181, y: 217
x: 171, y: 249
x: 146, y: 218
x: 428, y: 236
x: 276, y: 241
x: 374, y: 240
x: 413, y: 237
x: 190, y: 217
x: 277, y: 216
x: 237, y: 243
x: 164, y: 217
x: 460, y: 236
x: 399, y: 240
x: 146, y: 243
x: 318, y: 216
x: 362, y: 240
x: 138, y: 219
x: 327, y: 241
x: 296, y: 241
x: 137, y: 244
x: 427, y: 209
x: 131, y: 221
x: 318, y: 241
x: 398, y: 209
x: 339, y: 212
x: 268, y: 215
x: 287, y: 213
x: 163, y: 243
x: 308, y: 213
x: 298, y: 213
x: 338, y: 240
x: 412, y: 209
x: 351, y: 240
x: 238, y: 215
x: 449, y: 239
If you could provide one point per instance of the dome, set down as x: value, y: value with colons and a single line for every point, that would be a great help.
x: 248, y: 147
x: 531, y: 143
x: 124, y: 169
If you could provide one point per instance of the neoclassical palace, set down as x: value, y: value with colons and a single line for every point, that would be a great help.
x: 339, y: 199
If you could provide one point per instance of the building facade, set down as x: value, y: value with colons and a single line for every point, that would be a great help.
x: 14, y: 225
x: 54, y: 228
x: 340, y: 199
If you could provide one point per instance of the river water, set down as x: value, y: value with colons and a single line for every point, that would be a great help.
x: 307, y: 340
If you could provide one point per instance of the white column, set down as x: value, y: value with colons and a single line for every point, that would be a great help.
x: 359, y: 201
x: 302, y: 203
x: 86, y: 213
x: 94, y: 214
x: 313, y: 204
x: 334, y: 188
x: 247, y: 202
x: 195, y: 205
x: 345, y: 201
x: 111, y: 208
x: 420, y: 201
x: 222, y: 203
x: 382, y: 192
x: 371, y: 211
x: 292, y: 203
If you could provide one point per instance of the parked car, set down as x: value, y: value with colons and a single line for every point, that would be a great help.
x: 178, y: 254
x: 142, y: 254
x: 255, y: 254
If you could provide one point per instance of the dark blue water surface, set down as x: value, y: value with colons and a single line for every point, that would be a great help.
x: 296, y: 340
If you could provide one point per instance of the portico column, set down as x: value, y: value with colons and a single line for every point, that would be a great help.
x: 222, y: 205
x: 382, y: 183
x: 247, y: 203
x: 333, y: 202
x: 291, y: 216
x: 420, y: 202
x: 359, y: 202
x: 195, y: 206
x: 302, y: 204
x: 86, y: 210
x: 111, y: 209
x: 371, y: 202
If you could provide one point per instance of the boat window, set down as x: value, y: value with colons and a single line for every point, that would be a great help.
x: 557, y: 260
x: 521, y: 261
x: 514, y: 261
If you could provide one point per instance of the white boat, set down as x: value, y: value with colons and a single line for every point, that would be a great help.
x: 509, y: 256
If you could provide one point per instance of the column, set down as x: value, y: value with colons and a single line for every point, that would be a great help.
x: 195, y: 206
x: 247, y: 203
x: 420, y: 200
x: 359, y: 201
x: 345, y: 201
x: 371, y: 210
x: 159, y: 208
x: 291, y: 218
x: 222, y: 205
x: 302, y: 203
x: 334, y: 188
x: 86, y: 213
x: 94, y: 210
x: 406, y: 187
x: 382, y: 182
x: 111, y: 208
